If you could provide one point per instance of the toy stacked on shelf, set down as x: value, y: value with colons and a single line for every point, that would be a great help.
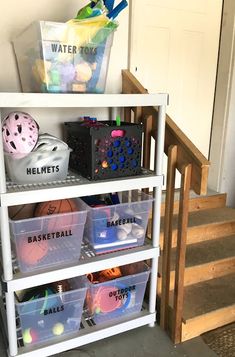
x: 113, y: 224
x: 52, y: 310
x: 104, y: 149
x: 69, y: 57
x: 30, y: 156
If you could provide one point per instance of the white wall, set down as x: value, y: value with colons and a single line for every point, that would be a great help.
x: 222, y: 151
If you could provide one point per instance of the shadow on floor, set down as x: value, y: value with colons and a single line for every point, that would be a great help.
x: 140, y: 342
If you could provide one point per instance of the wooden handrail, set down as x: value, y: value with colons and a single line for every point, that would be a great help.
x: 187, y: 152
x: 183, y: 156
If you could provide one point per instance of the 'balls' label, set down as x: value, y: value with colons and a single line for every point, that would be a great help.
x: 53, y: 310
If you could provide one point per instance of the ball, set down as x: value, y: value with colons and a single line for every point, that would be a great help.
x: 32, y: 253
x: 57, y: 207
x: 58, y: 329
x: 21, y: 211
x: 83, y: 72
x: 29, y: 336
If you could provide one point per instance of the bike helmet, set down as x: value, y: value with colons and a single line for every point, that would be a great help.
x: 47, y: 142
x: 19, y: 132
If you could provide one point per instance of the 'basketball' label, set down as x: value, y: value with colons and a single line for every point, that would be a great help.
x: 48, y: 236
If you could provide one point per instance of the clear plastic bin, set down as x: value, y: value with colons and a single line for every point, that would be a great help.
x: 119, y: 226
x: 37, y: 166
x: 56, y: 57
x: 48, y: 315
x: 120, y: 297
x: 46, y: 241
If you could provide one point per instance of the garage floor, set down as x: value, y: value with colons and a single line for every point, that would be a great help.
x: 140, y: 342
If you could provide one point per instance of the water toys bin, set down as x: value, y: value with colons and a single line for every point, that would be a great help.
x: 48, y: 315
x: 57, y: 57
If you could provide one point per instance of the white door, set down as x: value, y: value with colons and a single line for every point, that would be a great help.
x: 174, y: 49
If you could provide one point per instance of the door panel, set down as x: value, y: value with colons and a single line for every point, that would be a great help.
x: 174, y: 48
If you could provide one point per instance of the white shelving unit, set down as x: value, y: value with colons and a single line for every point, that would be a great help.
x: 75, y: 186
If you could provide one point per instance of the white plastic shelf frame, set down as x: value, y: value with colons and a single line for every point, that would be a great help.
x: 75, y: 186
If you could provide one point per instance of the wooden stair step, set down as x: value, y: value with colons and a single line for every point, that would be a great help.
x: 204, y: 261
x: 212, y: 200
x: 205, y: 225
x: 208, y: 305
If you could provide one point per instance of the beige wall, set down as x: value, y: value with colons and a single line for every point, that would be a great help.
x: 16, y: 15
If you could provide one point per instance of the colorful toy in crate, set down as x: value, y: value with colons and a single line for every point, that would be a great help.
x: 72, y: 56
x: 31, y: 156
x: 104, y: 149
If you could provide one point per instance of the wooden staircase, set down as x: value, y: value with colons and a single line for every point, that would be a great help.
x: 196, y: 286
x: 209, y: 276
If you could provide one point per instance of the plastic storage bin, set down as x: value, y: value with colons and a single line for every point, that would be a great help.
x: 49, y: 315
x: 119, y: 226
x: 46, y: 241
x: 104, y: 150
x: 120, y: 297
x: 38, y: 166
x: 57, y: 57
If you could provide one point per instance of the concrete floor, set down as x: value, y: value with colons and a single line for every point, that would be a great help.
x: 140, y: 342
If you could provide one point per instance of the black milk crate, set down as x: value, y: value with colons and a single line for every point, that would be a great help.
x: 104, y: 151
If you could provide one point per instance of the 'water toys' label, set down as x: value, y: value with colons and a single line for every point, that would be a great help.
x: 65, y: 48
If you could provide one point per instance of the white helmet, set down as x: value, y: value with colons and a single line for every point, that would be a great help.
x: 47, y: 142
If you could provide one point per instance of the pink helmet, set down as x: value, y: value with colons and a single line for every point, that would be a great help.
x: 20, y: 133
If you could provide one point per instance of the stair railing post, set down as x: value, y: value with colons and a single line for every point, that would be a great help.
x: 180, y: 253
x: 167, y: 241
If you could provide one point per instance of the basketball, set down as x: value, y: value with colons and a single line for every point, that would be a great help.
x: 57, y: 207
x: 21, y: 211
x: 32, y: 253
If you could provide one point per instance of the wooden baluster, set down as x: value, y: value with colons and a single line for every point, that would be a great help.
x: 180, y: 253
x: 167, y: 243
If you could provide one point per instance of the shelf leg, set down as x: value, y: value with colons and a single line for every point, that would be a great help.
x: 157, y: 194
x: 6, y: 244
x: 11, y: 324
x: 2, y: 167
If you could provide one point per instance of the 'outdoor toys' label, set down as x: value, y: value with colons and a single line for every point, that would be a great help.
x: 122, y: 293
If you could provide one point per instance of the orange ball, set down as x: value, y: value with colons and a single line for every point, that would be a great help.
x: 32, y: 253
x: 57, y: 207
